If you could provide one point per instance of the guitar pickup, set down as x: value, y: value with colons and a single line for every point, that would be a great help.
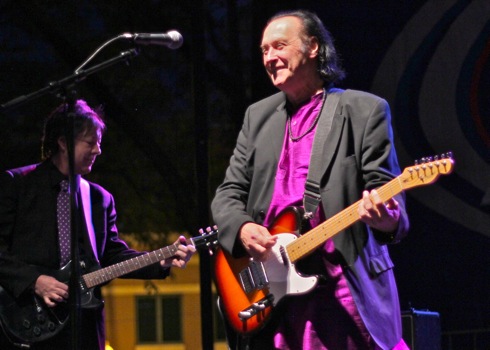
x: 253, y: 277
x: 256, y: 308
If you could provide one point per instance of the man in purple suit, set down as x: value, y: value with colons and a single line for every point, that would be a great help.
x: 30, y: 234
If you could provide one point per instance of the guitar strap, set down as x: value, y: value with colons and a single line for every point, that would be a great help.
x: 312, y: 198
x: 87, y: 211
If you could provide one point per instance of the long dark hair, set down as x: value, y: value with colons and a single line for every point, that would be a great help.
x: 329, y: 65
x: 85, y: 119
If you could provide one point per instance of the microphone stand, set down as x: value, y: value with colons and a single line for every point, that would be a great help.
x: 80, y: 75
x: 74, y: 292
x: 64, y: 87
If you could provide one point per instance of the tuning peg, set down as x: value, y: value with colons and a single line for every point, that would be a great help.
x: 210, y: 249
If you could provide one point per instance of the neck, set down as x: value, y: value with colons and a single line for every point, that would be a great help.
x: 304, y: 93
x: 60, y: 164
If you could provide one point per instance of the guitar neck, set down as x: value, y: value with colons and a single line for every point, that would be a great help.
x: 107, y: 274
x: 207, y: 239
x: 311, y: 240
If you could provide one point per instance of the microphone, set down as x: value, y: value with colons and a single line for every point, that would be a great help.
x: 172, y: 39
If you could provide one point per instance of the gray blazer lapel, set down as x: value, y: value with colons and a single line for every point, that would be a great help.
x: 277, y: 128
x: 331, y: 143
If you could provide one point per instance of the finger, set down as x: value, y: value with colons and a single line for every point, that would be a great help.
x: 271, y: 242
x: 364, y: 206
x: 62, y: 287
x: 375, y: 198
x: 62, y: 292
x: 264, y: 239
x: 179, y: 263
x: 187, y: 249
x: 48, y: 302
x: 391, y: 203
x: 53, y: 299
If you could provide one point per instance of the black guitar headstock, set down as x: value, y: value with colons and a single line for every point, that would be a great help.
x: 208, y: 239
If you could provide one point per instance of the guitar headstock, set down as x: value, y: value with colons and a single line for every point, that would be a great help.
x: 427, y: 170
x: 208, y: 238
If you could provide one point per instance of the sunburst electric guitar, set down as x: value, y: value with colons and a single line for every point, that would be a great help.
x: 29, y: 320
x: 249, y: 290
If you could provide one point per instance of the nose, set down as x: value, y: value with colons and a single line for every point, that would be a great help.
x: 97, y: 149
x: 270, y: 55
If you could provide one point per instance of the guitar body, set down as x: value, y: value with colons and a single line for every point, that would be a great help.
x: 282, y: 278
x: 27, y: 320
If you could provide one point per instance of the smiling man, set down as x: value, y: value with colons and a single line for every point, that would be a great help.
x: 355, y: 306
x: 33, y: 214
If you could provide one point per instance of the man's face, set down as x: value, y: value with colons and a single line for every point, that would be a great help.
x: 288, y: 61
x: 86, y: 149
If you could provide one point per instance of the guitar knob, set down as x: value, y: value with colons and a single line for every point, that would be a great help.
x: 51, y: 326
x: 41, y: 319
x: 36, y: 331
x: 26, y: 324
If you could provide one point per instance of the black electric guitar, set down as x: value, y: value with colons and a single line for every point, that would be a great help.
x: 27, y: 320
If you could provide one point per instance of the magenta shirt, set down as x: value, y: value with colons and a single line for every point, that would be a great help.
x: 292, y: 169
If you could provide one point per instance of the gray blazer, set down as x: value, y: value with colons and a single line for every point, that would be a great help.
x: 359, y: 154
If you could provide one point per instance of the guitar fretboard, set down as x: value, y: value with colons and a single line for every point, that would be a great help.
x: 106, y: 274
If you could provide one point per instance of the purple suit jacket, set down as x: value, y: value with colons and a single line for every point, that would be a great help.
x: 29, y: 236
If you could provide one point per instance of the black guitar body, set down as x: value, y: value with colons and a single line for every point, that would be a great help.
x: 27, y: 320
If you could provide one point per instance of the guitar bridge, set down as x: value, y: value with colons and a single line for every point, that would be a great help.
x: 253, y: 277
x: 256, y: 307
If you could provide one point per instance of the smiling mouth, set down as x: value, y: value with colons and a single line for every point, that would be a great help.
x: 273, y: 72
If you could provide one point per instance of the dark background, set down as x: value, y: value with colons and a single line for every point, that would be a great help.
x: 173, y: 115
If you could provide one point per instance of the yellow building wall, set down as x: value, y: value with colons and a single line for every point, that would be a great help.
x: 120, y: 309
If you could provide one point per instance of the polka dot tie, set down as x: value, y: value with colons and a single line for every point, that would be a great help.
x: 64, y: 227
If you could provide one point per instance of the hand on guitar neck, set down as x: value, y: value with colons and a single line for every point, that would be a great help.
x: 382, y: 216
x: 182, y: 255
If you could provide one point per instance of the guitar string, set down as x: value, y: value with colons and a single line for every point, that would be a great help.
x: 100, y: 276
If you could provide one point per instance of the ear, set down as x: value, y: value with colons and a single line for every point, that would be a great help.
x: 63, y: 148
x: 314, y: 46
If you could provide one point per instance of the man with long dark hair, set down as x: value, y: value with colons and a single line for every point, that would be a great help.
x: 355, y: 304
